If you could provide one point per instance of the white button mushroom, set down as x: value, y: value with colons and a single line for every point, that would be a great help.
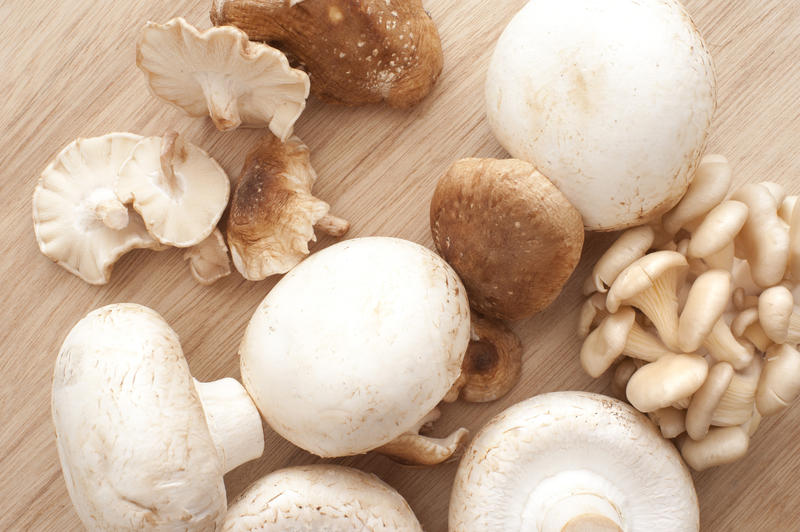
x: 219, y: 72
x: 357, y: 344
x: 141, y: 444
x: 324, y: 498
x: 571, y: 459
x: 612, y: 101
x: 78, y: 220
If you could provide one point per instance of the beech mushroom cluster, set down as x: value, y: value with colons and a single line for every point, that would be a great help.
x: 700, y: 312
x: 102, y: 197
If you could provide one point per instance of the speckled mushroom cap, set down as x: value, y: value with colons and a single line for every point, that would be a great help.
x: 132, y: 437
x: 356, y: 345
x: 513, y: 238
x: 611, y: 100
x: 565, y: 458
x: 320, y: 498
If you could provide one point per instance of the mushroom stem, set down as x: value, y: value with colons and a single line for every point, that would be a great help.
x: 582, y: 512
x: 223, y: 105
x: 173, y: 150
x: 722, y: 345
x: 660, y: 305
x: 411, y: 448
x: 107, y: 208
x: 233, y: 421
x: 332, y: 225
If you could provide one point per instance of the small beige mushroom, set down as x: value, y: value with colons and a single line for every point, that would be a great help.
x: 208, y: 260
x: 665, y: 381
x: 794, y: 245
x: 651, y: 285
x: 723, y: 346
x: 622, y: 374
x: 780, y: 380
x: 671, y: 421
x: 776, y: 190
x: 743, y: 301
x: 721, y: 446
x: 219, y: 72
x: 751, y: 425
x: 707, y: 299
x: 775, y: 307
x: 412, y: 448
x: 746, y: 325
x: 706, y: 399
x: 711, y: 182
x: 696, y: 266
x: 742, y: 277
x: 630, y: 246
x: 718, y: 229
x: 737, y: 403
x: 764, y: 239
x: 787, y: 208
x: 592, y: 311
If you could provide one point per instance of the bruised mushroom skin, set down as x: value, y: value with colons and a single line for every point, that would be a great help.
x: 355, y: 51
x: 513, y: 238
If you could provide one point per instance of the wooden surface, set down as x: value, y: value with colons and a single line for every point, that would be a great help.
x: 67, y: 70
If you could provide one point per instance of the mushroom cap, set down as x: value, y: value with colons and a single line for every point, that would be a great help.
x: 669, y: 379
x: 182, y: 214
x: 612, y: 101
x: 642, y: 275
x: 208, y: 260
x: 356, y: 344
x: 74, y: 184
x: 130, y: 429
x: 219, y: 71
x: 513, y: 238
x: 557, y: 445
x: 273, y: 213
x: 320, y: 497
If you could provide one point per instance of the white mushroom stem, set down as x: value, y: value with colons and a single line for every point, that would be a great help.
x: 724, y: 347
x: 737, y: 403
x: 747, y: 326
x: 107, y: 208
x: 222, y: 102
x: 670, y: 420
x: 173, y: 150
x: 332, y: 225
x: 411, y: 448
x: 706, y: 399
x: 580, y: 512
x: 743, y: 301
x: 233, y: 421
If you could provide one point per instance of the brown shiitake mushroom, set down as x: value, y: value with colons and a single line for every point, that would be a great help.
x: 355, y: 52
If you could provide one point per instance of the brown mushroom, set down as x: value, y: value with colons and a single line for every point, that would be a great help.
x: 355, y: 52
x: 273, y: 214
x: 511, y: 235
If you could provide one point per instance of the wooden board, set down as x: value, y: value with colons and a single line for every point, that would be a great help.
x: 67, y: 70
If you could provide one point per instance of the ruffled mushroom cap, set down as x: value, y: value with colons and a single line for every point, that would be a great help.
x: 78, y: 220
x: 208, y: 260
x: 221, y: 73
x: 320, y: 497
x: 273, y: 213
x: 180, y: 191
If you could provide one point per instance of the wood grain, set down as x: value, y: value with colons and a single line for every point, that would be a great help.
x: 66, y: 70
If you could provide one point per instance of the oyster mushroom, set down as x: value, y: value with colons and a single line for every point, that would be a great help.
x: 779, y: 384
x: 717, y: 230
x: 355, y: 347
x: 706, y: 399
x: 708, y: 297
x: 180, y: 191
x: 630, y: 246
x: 208, y: 260
x: 568, y: 461
x: 273, y: 214
x: 775, y: 307
x: 513, y: 238
x: 571, y: 90
x: 356, y: 52
x: 142, y: 445
x: 220, y: 73
x: 737, y: 403
x: 722, y: 445
x: 667, y: 380
x: 711, y: 183
x: 320, y: 497
x: 78, y: 220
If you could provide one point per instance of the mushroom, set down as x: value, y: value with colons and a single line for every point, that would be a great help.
x: 764, y: 239
x: 670, y: 420
x: 711, y: 183
x: 592, y: 311
x: 208, y: 260
x: 362, y: 52
x: 630, y: 246
x: 775, y: 306
x: 706, y: 399
x: 142, y: 445
x: 651, y: 285
x: 708, y: 297
x: 513, y: 238
x: 787, y: 208
x: 622, y: 374
x: 669, y: 379
x: 736, y: 404
x: 743, y: 301
x: 723, y: 346
x: 794, y: 245
x: 722, y: 445
x: 180, y: 191
x: 356, y: 345
x: 78, y: 220
x: 717, y: 230
x: 779, y: 384
x: 320, y: 497
x: 219, y: 72
x: 567, y: 461
x: 746, y: 325
x: 776, y: 190
x: 273, y: 214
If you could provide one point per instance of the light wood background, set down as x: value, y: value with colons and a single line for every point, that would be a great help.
x: 67, y: 70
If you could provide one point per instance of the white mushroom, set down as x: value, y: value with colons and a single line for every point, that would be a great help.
x: 78, y: 220
x: 630, y: 246
x: 718, y: 229
x: 670, y: 420
x: 711, y: 183
x: 746, y: 325
x: 221, y: 73
x: 706, y: 399
x: 356, y: 345
x: 142, y: 445
x: 721, y: 446
x: 571, y: 90
x: 180, y: 191
x: 736, y: 404
x: 780, y: 380
x: 775, y: 307
x: 665, y: 381
x: 787, y: 208
x: 565, y: 461
x: 320, y: 497
x: 707, y: 299
x: 208, y: 260
x: 724, y: 347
